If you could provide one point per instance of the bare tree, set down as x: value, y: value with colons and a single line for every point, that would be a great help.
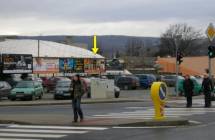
x: 187, y: 37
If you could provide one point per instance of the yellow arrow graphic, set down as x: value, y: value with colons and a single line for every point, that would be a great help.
x: 95, y: 49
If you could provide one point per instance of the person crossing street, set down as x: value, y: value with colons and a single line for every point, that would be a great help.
x: 77, y: 93
x: 188, y: 90
x: 207, y: 87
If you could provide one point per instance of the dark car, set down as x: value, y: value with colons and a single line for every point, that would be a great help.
x: 5, y: 89
x: 127, y: 82
x: 170, y: 80
x: 146, y: 80
x: 63, y: 89
x: 50, y: 83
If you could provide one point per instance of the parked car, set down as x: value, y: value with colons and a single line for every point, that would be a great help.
x: 146, y: 80
x: 13, y: 79
x: 4, y: 89
x: 50, y: 83
x: 197, y: 86
x: 63, y: 89
x: 30, y: 90
x: 170, y: 80
x: 127, y: 82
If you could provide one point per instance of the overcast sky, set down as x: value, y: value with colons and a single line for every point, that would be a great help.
x: 102, y: 17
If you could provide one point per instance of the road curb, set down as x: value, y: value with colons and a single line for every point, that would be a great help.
x: 146, y: 123
x: 150, y: 123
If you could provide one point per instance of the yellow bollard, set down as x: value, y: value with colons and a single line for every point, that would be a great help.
x: 158, y: 95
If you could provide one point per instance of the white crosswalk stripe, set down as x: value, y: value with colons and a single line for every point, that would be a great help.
x: 40, y: 132
x: 196, y: 102
x: 148, y: 113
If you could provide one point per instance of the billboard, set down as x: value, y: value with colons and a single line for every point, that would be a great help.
x: 79, y: 65
x: 17, y: 63
x: 93, y: 66
x: 66, y: 65
x: 45, y: 65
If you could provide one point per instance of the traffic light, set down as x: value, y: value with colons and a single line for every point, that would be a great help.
x: 211, y: 51
x: 179, y: 58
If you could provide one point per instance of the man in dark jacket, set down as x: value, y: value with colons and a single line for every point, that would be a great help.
x: 78, y: 91
x: 188, y: 90
x: 207, y: 87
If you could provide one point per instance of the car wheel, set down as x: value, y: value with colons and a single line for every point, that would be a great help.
x: 213, y: 97
x: 116, y: 94
x: 12, y: 99
x: 33, y: 97
x: 40, y: 97
x: 56, y: 97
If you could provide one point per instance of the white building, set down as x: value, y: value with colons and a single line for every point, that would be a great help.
x: 46, y: 49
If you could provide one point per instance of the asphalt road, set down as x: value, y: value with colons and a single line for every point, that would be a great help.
x: 143, y: 94
x: 203, y: 129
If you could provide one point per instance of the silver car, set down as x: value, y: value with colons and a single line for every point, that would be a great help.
x: 5, y: 89
x: 63, y: 89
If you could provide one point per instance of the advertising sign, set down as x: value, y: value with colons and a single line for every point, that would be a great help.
x: 66, y: 65
x: 45, y: 65
x: 17, y: 63
x: 92, y: 66
x: 79, y: 65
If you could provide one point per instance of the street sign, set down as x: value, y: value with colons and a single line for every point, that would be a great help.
x: 210, y: 32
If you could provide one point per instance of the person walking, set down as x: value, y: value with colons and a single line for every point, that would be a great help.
x: 207, y: 87
x: 77, y: 93
x: 188, y: 90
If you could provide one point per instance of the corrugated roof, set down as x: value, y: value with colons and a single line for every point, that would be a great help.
x: 47, y: 49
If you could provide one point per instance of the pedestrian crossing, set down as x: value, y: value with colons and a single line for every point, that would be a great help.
x: 148, y: 113
x: 42, y: 132
x: 196, y: 102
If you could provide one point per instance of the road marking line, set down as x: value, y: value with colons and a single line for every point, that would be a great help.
x: 146, y: 127
x: 17, y: 139
x: 194, y: 122
x: 43, y: 131
x: 5, y: 124
x: 125, y: 115
x: 175, y: 113
x: 142, y: 118
x: 138, y: 107
x: 57, y: 127
x: 31, y: 135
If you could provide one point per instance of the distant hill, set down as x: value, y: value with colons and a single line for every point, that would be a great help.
x: 108, y: 43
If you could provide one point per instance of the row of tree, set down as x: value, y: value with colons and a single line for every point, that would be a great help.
x: 189, y: 41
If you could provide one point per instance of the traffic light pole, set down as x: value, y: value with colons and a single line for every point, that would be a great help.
x: 209, y: 64
x: 176, y: 62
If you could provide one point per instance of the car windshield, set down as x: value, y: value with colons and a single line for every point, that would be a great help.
x: 170, y: 77
x: 143, y: 77
x: 63, y: 84
x: 26, y: 84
